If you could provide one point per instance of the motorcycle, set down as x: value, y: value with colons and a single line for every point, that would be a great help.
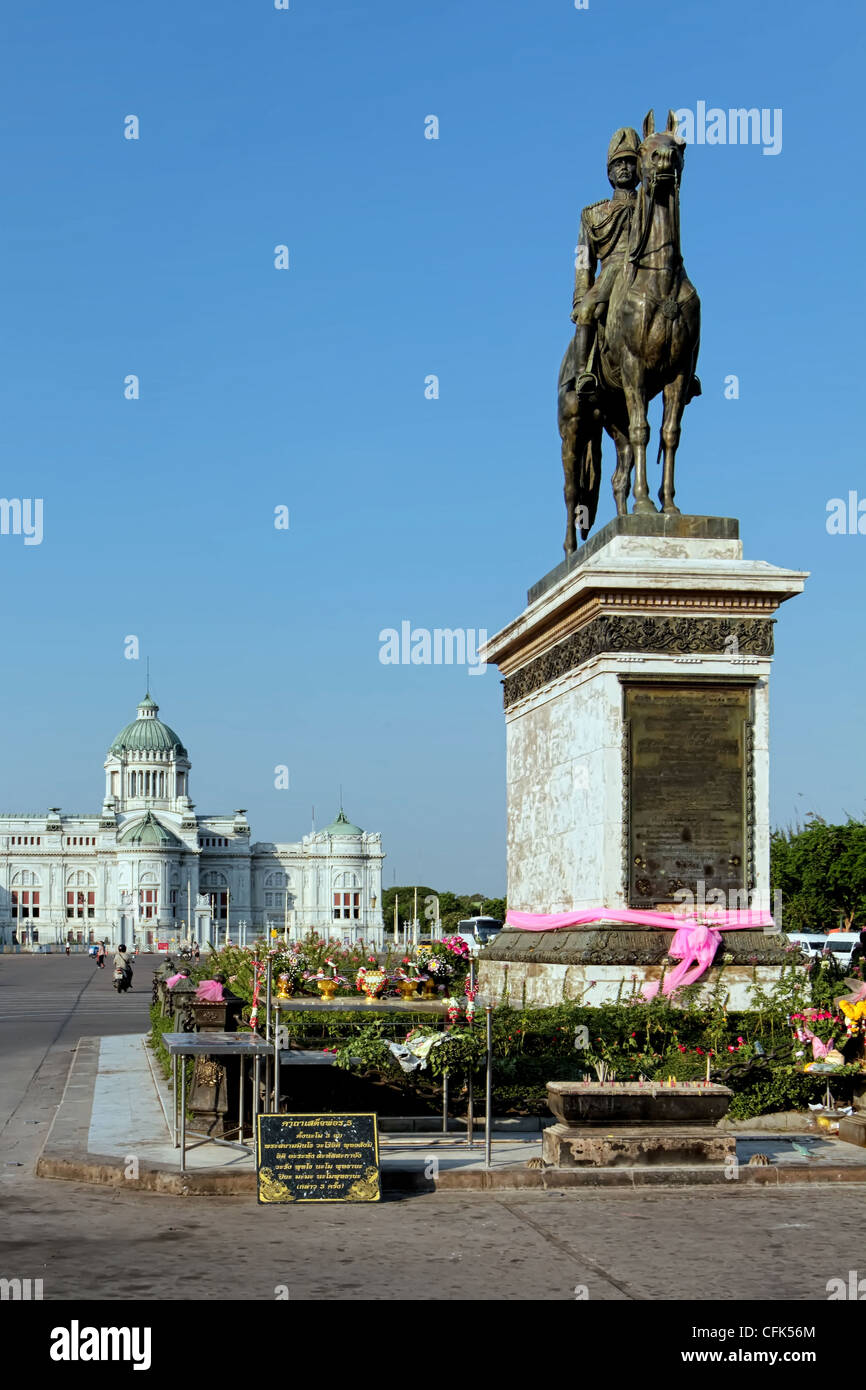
x: 122, y: 979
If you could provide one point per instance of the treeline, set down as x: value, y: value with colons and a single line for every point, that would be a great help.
x: 821, y: 872
x: 453, y: 907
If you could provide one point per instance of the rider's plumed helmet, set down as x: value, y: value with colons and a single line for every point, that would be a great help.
x: 624, y: 144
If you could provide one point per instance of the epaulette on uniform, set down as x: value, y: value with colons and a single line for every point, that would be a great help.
x: 589, y: 207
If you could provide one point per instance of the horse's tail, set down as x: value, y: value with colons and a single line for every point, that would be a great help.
x: 588, y: 479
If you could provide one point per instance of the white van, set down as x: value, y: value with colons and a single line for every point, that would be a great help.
x: 840, y: 943
x: 477, y: 932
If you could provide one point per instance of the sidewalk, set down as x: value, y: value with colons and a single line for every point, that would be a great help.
x: 113, y: 1127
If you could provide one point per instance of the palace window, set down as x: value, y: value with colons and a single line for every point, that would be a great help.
x: 80, y: 903
x: 25, y: 902
x: 277, y: 899
x: 347, y: 905
x: 148, y: 900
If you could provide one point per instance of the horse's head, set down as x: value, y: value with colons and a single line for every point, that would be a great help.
x: 661, y: 154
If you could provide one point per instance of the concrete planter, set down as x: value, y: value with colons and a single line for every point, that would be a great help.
x: 613, y: 1103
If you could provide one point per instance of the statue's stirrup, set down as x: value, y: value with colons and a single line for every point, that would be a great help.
x: 586, y: 384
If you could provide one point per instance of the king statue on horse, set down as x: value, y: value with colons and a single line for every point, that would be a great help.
x: 637, y: 329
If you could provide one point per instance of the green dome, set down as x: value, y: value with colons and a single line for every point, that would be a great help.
x: 342, y: 827
x: 147, y: 734
x: 149, y: 831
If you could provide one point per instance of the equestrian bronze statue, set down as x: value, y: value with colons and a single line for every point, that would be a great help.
x: 637, y: 329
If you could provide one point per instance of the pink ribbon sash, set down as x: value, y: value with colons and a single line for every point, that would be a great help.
x: 694, y: 945
x: 210, y: 992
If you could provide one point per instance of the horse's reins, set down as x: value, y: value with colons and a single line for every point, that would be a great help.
x: 640, y: 249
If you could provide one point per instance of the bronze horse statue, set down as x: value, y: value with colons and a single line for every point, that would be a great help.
x: 648, y: 344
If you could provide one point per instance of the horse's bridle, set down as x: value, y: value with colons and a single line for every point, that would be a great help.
x: 641, y: 248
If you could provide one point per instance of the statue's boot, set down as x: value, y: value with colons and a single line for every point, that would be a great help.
x: 586, y: 384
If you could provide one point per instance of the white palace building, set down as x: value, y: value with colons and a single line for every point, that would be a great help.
x: 145, y: 867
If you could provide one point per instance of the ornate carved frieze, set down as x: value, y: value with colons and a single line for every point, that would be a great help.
x: 661, y: 636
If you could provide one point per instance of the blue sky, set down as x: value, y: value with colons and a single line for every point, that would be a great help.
x: 305, y: 387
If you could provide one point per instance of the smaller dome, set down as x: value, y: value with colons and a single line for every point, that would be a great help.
x: 342, y: 828
x: 147, y: 734
x: 149, y: 831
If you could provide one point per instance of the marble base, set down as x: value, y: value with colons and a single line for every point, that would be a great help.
x: 653, y: 599
x: 607, y: 964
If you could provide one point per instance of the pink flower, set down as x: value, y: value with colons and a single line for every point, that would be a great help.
x: 731, y: 1049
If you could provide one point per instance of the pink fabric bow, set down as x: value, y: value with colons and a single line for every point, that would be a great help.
x: 819, y: 1048
x: 173, y: 979
x: 695, y: 943
x: 210, y: 992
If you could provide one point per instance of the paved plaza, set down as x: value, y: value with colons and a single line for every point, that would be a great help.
x: 89, y: 1241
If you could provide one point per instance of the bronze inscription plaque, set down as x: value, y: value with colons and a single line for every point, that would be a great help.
x: 687, y: 792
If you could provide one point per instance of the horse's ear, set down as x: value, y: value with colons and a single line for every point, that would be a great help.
x: 649, y: 124
x: 672, y: 123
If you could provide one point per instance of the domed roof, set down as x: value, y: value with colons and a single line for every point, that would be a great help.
x: 341, y: 827
x: 147, y: 734
x: 149, y: 831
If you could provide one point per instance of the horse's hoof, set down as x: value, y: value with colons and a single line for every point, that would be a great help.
x: 645, y: 508
x: 671, y: 510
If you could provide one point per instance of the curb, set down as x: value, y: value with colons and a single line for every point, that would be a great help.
x: 107, y: 1171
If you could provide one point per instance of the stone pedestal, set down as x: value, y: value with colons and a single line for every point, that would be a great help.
x: 636, y: 689
x: 645, y: 1147
x: 616, y: 1125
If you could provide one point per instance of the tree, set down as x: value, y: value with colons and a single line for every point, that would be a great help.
x: 821, y: 872
x: 453, y: 908
x: 405, y: 905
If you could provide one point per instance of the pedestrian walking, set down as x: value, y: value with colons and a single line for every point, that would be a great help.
x: 67, y: 948
x: 196, y: 953
x: 100, y: 955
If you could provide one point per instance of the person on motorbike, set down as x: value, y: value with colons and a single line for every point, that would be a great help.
x: 123, y: 961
